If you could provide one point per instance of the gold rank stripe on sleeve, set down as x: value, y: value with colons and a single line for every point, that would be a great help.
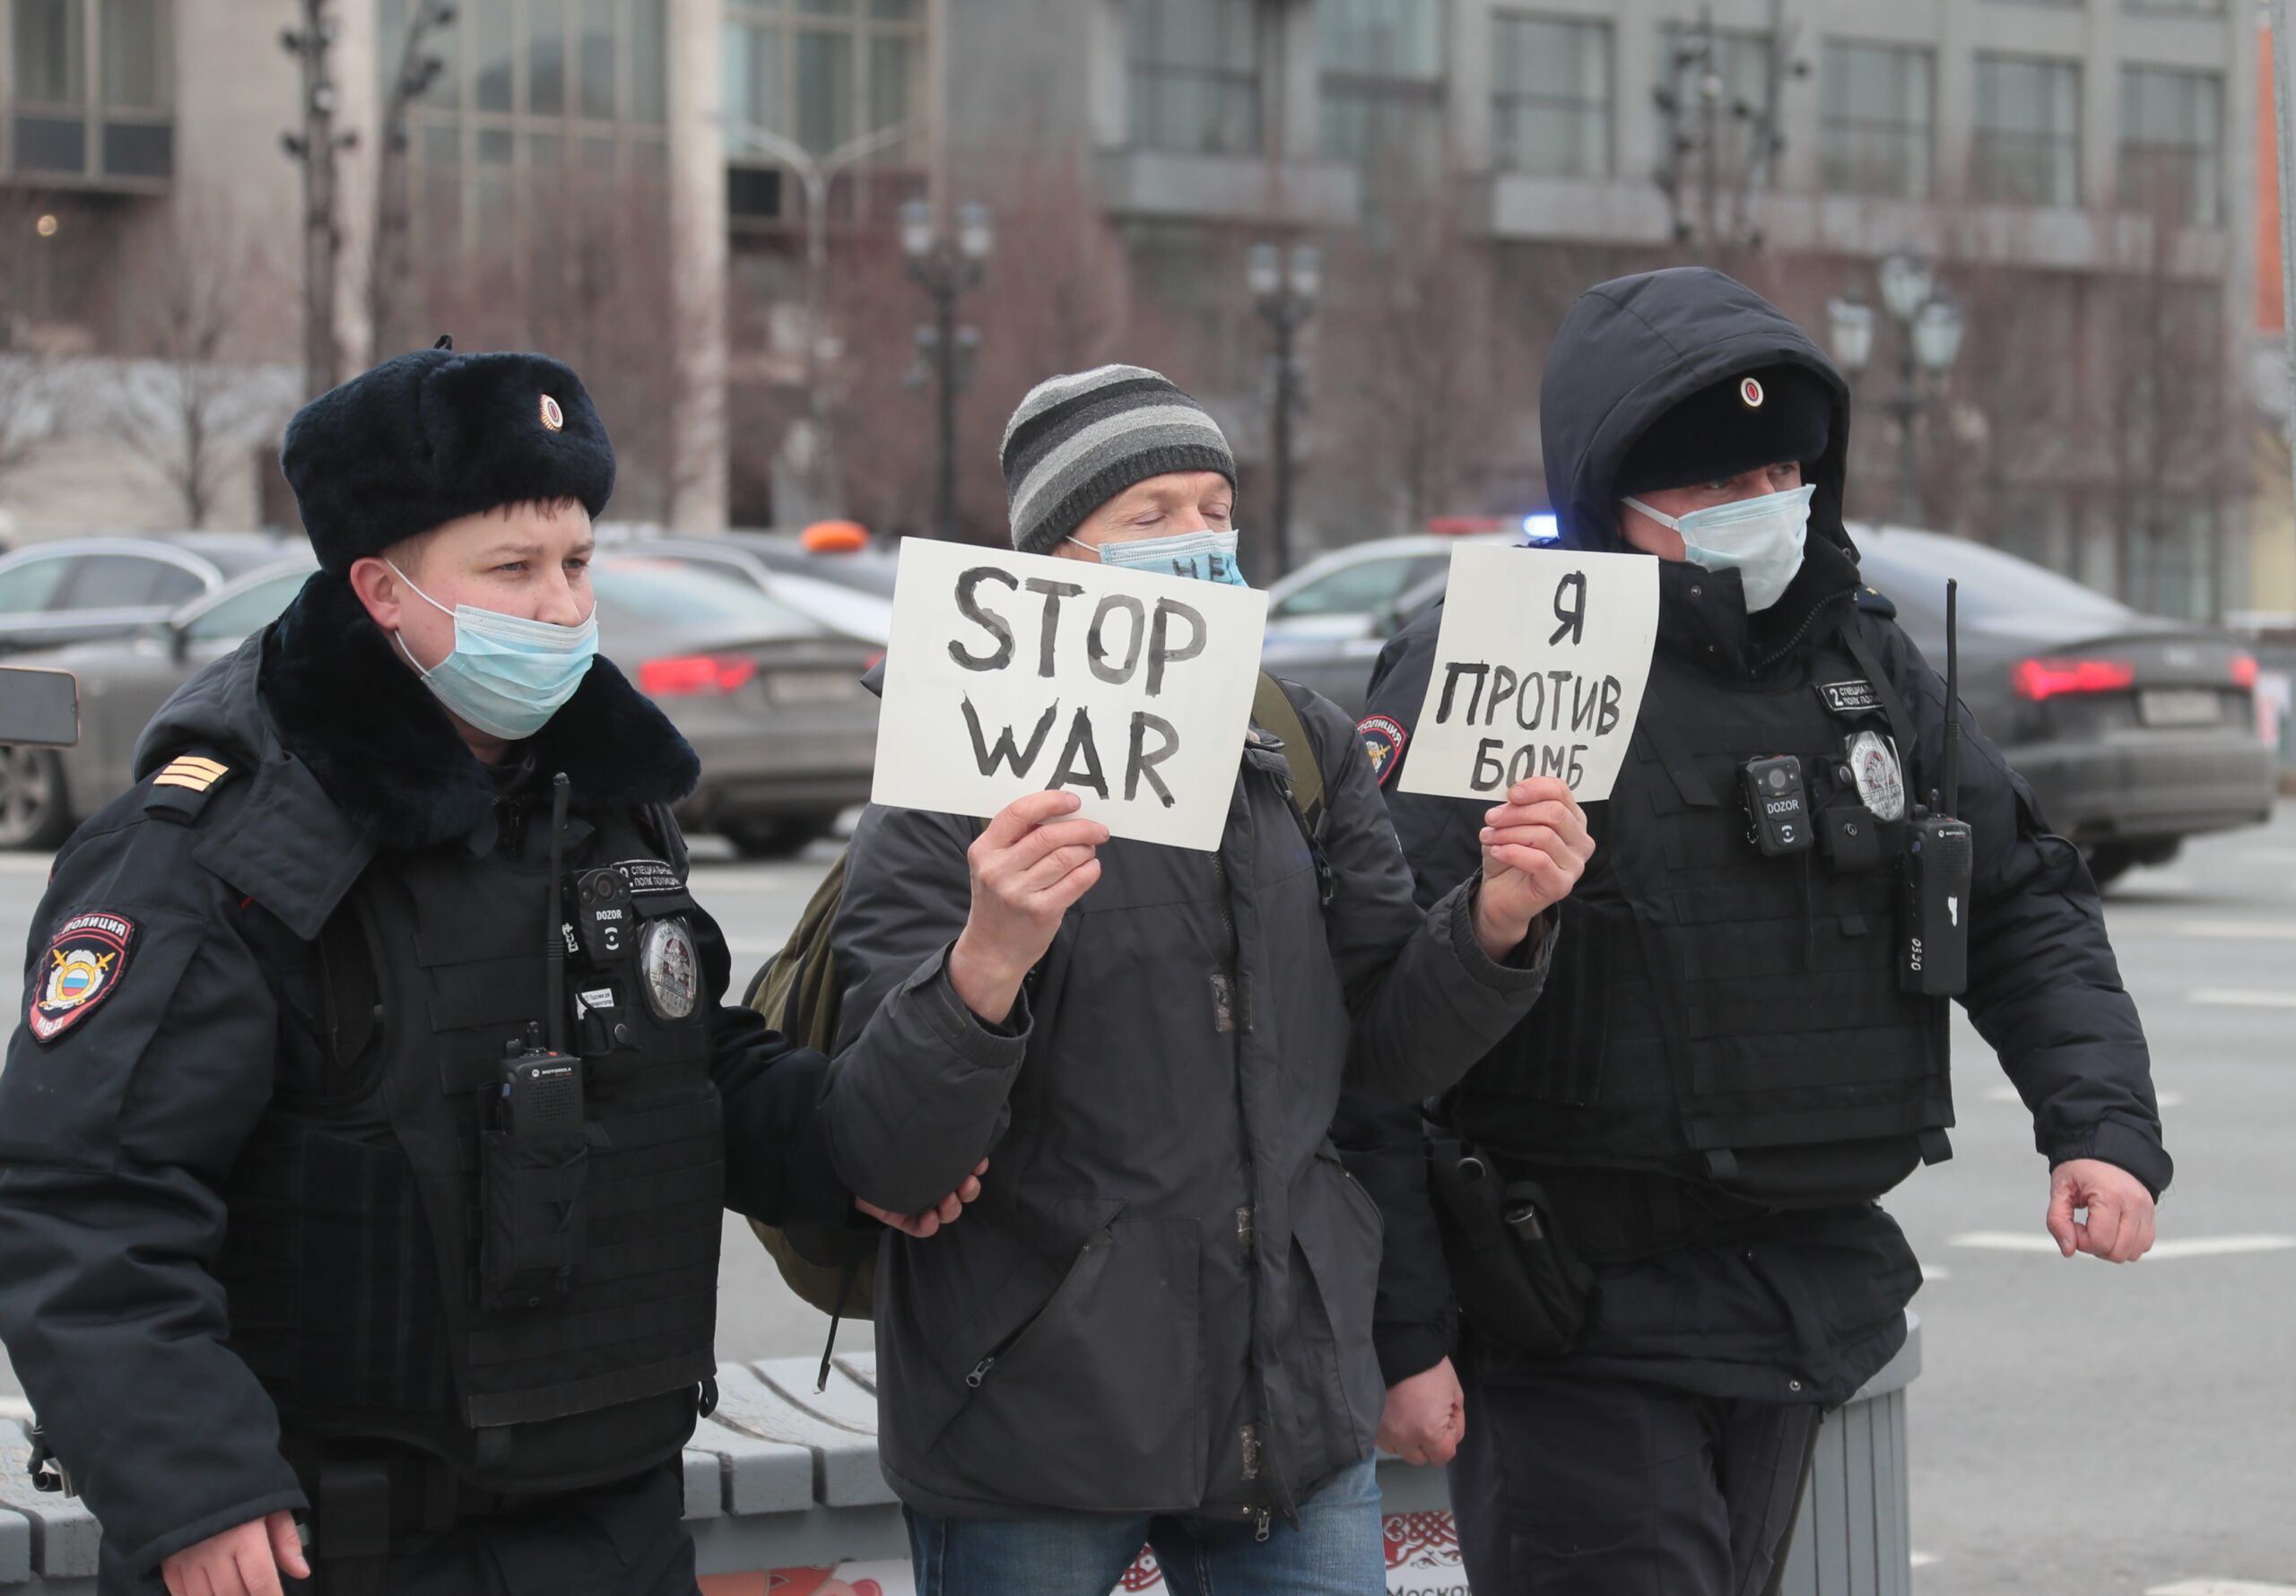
x: 192, y: 772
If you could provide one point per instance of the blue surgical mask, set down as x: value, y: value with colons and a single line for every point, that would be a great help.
x: 1760, y: 539
x: 506, y: 676
x: 1208, y: 556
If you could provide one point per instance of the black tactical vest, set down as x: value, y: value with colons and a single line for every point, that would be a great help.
x: 1715, y: 1014
x: 537, y: 1309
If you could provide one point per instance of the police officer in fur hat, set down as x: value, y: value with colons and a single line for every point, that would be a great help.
x: 326, y: 1191
x: 1672, y: 1260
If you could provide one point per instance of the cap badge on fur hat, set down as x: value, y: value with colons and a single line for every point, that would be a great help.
x: 1749, y: 390
x: 554, y: 418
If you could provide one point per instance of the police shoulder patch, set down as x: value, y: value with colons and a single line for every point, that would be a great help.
x: 1383, y: 740
x: 82, y: 966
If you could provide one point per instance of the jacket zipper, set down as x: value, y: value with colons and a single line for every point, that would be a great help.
x: 1802, y: 631
x: 1099, y: 1238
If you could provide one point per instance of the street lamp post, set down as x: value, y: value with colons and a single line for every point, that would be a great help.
x: 945, y: 265
x: 815, y: 174
x: 1285, y: 298
x: 1929, y: 340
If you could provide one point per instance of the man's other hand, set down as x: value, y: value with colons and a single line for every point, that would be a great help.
x: 245, y: 1561
x: 1426, y: 1416
x: 2118, y: 1228
x: 1027, y: 866
x: 943, y: 1212
x: 1534, y: 849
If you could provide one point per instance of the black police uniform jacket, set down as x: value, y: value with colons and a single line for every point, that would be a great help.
x: 1726, y: 1025
x: 178, y: 1024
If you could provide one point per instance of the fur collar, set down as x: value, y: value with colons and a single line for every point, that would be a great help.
x: 347, y: 706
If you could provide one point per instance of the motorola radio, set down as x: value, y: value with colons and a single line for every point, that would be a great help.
x: 1934, y: 952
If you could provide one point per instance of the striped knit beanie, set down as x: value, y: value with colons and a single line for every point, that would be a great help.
x: 1078, y: 442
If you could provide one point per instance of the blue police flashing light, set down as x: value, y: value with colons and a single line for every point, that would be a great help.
x: 1541, y: 527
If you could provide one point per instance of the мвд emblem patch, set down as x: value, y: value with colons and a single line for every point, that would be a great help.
x: 81, y: 966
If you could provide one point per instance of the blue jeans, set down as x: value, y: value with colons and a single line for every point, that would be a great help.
x: 1339, y: 1550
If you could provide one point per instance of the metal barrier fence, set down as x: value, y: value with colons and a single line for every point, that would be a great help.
x: 781, y: 1478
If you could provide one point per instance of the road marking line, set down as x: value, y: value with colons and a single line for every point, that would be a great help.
x: 1935, y: 1272
x: 27, y: 864
x: 2225, y: 997
x: 2221, y: 1587
x: 2256, y: 931
x: 2199, y: 1246
x: 1924, y: 1559
x: 15, y: 1407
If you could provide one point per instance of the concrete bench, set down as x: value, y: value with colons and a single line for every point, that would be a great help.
x: 784, y: 1478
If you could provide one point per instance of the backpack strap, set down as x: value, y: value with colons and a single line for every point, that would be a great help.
x: 1271, y: 707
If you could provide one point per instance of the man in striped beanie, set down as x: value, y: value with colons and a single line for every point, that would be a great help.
x: 1162, y: 1331
x: 1117, y: 463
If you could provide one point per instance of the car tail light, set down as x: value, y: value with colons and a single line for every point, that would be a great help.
x: 2244, y: 670
x: 2041, y: 679
x: 878, y: 658
x: 686, y: 675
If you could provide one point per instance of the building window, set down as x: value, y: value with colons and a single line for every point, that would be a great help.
x: 1550, y: 96
x: 1195, y: 75
x: 1722, y: 89
x: 547, y: 126
x: 2027, y: 146
x: 92, y: 87
x: 1382, y: 64
x: 2171, y: 143
x: 822, y: 74
x: 1876, y: 129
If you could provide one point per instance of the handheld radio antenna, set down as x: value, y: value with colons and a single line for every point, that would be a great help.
x: 1952, y: 760
x: 556, y: 952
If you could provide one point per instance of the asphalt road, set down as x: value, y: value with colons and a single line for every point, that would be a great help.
x: 2079, y: 1429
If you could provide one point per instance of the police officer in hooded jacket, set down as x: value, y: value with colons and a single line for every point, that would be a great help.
x: 324, y: 1190
x: 1727, y: 1071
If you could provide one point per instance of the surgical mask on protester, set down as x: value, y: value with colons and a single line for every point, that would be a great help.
x: 1759, y: 538
x: 506, y: 676
x: 1208, y: 556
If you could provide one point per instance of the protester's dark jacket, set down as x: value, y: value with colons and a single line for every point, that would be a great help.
x: 1807, y: 1306
x: 118, y: 1136
x: 1163, y: 1301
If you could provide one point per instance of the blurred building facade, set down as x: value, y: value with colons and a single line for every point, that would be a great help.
x: 611, y: 179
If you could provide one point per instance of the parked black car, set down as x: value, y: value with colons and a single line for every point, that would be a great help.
x: 2135, y: 731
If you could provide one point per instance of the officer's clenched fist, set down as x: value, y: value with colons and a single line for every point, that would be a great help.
x: 1534, y: 849
x: 1028, y: 866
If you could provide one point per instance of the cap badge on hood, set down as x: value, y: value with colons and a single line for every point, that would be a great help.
x: 1750, y: 390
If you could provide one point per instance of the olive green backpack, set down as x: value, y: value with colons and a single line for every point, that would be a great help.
x: 799, y: 990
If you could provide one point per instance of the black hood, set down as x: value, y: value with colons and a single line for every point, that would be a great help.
x: 1632, y: 349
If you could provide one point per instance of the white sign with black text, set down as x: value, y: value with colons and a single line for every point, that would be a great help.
x: 1012, y: 673
x: 1539, y: 671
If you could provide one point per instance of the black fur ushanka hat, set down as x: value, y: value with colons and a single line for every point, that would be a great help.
x: 427, y: 438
